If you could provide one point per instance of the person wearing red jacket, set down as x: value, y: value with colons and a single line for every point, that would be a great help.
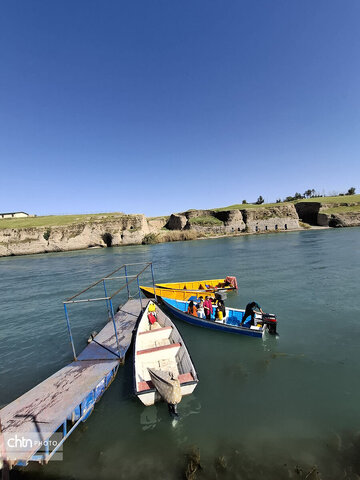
x: 208, y: 307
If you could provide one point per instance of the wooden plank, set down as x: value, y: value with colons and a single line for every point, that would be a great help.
x: 156, y: 330
x: 157, y: 349
x: 125, y: 321
x: 40, y: 411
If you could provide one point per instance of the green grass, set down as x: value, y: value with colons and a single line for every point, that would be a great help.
x: 205, y: 221
x: 337, y: 199
x: 56, y: 220
x: 341, y: 209
x: 162, y: 217
x: 243, y: 206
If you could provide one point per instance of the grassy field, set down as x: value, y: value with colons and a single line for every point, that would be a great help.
x: 338, y: 199
x: 341, y: 209
x: 243, y: 206
x: 56, y: 220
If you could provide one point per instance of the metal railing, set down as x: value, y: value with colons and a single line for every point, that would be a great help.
x: 129, y: 279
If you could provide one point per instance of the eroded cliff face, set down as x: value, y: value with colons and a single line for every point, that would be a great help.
x: 127, y: 230
x: 340, y: 214
x: 339, y: 219
x: 137, y: 229
x: 283, y: 217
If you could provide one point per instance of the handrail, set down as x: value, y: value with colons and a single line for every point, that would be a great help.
x: 110, y: 275
x: 87, y: 300
x: 107, y: 298
x: 116, y: 278
x: 128, y: 283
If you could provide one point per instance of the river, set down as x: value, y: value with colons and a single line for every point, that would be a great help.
x: 263, y: 408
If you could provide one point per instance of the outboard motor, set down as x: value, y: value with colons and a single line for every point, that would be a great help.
x: 270, y: 321
x: 173, y: 410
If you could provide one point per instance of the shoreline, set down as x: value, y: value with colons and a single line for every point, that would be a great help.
x: 60, y: 234
x: 200, y: 237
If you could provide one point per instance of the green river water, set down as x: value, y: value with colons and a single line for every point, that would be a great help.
x: 262, y: 407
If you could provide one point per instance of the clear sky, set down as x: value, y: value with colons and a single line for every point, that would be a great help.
x: 157, y: 106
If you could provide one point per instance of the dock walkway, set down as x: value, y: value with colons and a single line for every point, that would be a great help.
x: 68, y: 395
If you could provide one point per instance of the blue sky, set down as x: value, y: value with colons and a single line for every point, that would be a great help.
x: 159, y: 106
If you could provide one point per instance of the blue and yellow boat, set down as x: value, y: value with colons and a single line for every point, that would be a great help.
x: 231, y: 323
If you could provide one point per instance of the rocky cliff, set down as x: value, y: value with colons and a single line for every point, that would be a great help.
x: 335, y: 214
x: 126, y: 230
x: 251, y: 220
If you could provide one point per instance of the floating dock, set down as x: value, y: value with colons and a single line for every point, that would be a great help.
x: 58, y: 404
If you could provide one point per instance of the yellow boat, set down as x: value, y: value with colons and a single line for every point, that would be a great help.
x: 228, y: 283
x: 174, y: 293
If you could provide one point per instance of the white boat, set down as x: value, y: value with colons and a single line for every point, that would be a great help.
x: 160, y: 348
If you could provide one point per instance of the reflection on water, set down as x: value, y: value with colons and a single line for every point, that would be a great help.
x: 272, y: 408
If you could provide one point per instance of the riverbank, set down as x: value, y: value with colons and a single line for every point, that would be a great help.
x: 25, y: 236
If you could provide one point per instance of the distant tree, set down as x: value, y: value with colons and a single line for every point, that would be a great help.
x: 278, y: 200
x: 351, y: 191
x: 307, y: 193
x: 289, y: 199
x: 260, y: 200
x: 297, y: 196
x: 313, y: 193
x: 244, y: 202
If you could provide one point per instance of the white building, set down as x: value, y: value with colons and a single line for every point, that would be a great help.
x: 14, y: 215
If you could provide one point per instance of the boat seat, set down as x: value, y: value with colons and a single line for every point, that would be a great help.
x: 157, y: 349
x: 156, y: 330
x: 148, y: 385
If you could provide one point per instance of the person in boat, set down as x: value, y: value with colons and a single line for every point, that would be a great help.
x: 152, y: 317
x: 220, y: 312
x: 208, y: 307
x: 192, y: 310
x: 214, y: 301
x: 152, y: 309
x: 200, y: 308
x: 250, y: 311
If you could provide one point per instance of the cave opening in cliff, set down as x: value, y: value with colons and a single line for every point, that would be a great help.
x: 107, y: 239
